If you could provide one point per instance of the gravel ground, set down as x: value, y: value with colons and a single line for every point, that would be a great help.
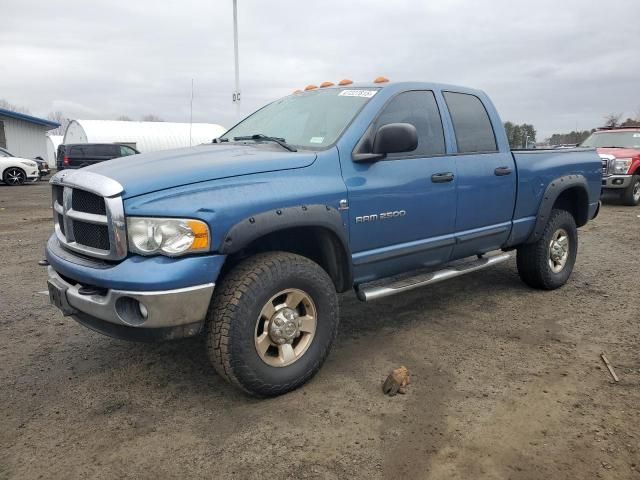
x: 507, y: 381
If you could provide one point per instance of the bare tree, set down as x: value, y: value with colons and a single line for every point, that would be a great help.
x: 612, y: 120
x: 14, y: 108
x: 60, y: 118
x: 152, y: 118
x: 124, y: 118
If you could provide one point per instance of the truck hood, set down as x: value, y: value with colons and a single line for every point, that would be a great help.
x: 620, y: 152
x: 149, y: 172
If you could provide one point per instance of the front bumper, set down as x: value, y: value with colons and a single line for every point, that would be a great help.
x: 616, y: 181
x: 105, y: 296
x: 134, y: 315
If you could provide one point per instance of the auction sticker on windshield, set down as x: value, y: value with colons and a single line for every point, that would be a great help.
x: 357, y: 93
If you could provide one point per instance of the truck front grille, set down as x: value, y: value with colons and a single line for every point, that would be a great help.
x: 83, y: 201
x: 84, y: 222
x: 94, y: 236
x: 605, y: 167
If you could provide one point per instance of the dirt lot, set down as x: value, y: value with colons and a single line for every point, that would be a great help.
x: 507, y: 381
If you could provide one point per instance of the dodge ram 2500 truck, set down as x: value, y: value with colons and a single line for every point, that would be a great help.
x: 379, y: 187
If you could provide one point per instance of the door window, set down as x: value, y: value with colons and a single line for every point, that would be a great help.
x: 474, y: 133
x: 125, y: 151
x: 419, y: 108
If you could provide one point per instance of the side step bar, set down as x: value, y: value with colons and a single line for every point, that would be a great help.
x: 378, y: 290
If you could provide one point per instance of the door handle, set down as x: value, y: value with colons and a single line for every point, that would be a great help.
x: 442, y: 177
x: 502, y: 171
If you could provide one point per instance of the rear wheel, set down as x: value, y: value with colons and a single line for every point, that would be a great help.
x: 547, y: 264
x: 14, y: 176
x: 631, y: 195
x: 272, y: 322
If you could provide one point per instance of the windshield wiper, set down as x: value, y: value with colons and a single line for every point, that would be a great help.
x: 220, y: 140
x: 261, y: 136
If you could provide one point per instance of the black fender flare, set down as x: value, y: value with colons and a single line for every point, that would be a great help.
x: 251, y: 228
x: 551, y: 194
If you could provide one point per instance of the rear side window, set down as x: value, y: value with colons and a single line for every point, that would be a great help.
x: 471, y: 123
x: 418, y: 108
x: 90, y: 151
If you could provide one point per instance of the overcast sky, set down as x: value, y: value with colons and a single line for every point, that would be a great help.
x: 560, y: 65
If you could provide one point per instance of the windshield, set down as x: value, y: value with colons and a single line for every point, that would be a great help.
x: 613, y: 139
x: 314, y: 119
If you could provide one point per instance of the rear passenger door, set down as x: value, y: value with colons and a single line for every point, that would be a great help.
x: 402, y: 208
x: 486, y: 178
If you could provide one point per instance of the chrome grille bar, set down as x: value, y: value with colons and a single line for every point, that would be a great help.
x: 109, y: 190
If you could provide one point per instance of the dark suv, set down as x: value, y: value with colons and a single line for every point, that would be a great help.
x: 83, y: 154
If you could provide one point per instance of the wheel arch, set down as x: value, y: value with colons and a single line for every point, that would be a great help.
x: 313, y: 231
x: 570, y: 193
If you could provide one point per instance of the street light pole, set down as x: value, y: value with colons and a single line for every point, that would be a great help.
x: 236, y: 93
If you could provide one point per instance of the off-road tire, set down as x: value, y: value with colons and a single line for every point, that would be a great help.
x: 628, y: 194
x: 533, y: 258
x: 235, y: 309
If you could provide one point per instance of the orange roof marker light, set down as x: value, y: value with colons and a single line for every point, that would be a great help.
x: 326, y: 84
x: 310, y: 87
x: 344, y: 82
x: 381, y: 80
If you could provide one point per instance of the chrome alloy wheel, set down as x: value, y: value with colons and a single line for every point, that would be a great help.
x: 636, y: 192
x: 558, y: 250
x: 14, y: 176
x: 286, y: 327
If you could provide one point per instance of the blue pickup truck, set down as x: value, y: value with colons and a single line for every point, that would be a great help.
x: 379, y: 187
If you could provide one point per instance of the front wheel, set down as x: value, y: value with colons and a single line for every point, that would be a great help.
x: 548, y: 263
x: 271, y: 323
x: 631, y: 195
x: 14, y: 176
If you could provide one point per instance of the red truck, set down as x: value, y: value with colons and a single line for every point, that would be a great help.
x: 619, y: 149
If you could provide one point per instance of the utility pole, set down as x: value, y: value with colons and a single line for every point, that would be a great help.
x: 236, y: 92
x: 191, y: 114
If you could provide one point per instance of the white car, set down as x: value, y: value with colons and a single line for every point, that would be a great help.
x: 15, y: 170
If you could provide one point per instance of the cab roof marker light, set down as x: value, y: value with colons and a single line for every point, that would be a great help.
x: 381, y: 80
x: 310, y: 87
x: 345, y: 81
x: 326, y: 84
x: 297, y: 91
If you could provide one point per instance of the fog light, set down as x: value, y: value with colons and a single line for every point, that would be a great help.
x: 131, y: 311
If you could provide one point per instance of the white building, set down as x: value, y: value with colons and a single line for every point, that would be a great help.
x: 23, y: 135
x: 143, y: 136
x: 52, y: 148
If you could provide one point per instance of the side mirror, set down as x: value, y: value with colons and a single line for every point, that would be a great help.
x: 395, y: 138
x: 390, y: 138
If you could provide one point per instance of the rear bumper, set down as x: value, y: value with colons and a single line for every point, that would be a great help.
x: 616, y: 181
x: 135, y: 315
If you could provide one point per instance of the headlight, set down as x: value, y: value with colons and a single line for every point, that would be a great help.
x: 29, y: 164
x: 167, y: 236
x: 621, y: 166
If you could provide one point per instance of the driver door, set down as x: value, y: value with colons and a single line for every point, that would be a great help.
x: 402, y: 208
